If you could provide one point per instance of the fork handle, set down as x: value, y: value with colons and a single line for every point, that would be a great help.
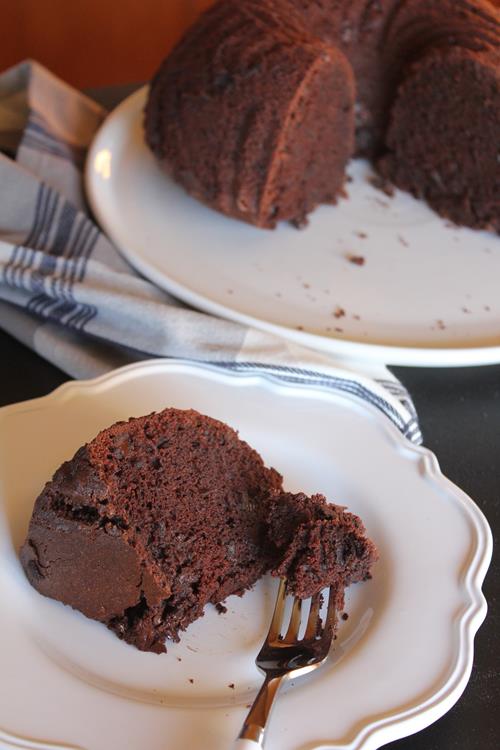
x: 253, y: 731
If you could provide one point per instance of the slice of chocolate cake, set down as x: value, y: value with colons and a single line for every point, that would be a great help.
x: 150, y: 521
x: 159, y: 516
x: 252, y: 115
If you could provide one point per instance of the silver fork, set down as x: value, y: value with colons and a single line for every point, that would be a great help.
x: 282, y: 658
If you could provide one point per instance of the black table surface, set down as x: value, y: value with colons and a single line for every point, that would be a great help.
x: 459, y: 410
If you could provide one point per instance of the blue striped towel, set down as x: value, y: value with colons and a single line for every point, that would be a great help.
x: 67, y: 293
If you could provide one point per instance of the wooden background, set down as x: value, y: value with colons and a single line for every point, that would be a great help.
x: 94, y: 42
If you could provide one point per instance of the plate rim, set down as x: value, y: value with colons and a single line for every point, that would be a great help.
x: 416, y: 356
x: 395, y: 724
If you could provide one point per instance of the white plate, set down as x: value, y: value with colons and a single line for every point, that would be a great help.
x: 426, y: 295
x: 401, y: 660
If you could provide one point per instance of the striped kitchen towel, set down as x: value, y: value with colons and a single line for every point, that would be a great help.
x: 67, y: 293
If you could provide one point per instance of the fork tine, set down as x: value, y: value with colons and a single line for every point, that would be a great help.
x: 312, y: 621
x: 331, y: 613
x: 276, y: 622
x: 295, y: 618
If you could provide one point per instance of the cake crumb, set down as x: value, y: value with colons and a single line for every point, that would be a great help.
x: 300, y: 223
x: 299, y: 328
x: 356, y: 317
x: 306, y: 285
x: 221, y: 609
x: 230, y: 291
x: 339, y: 312
x: 357, y: 260
x: 191, y: 681
x: 487, y: 308
x: 361, y: 235
x: 345, y: 616
x: 179, y: 658
x: 382, y: 184
x: 231, y: 685
x: 402, y: 241
x: 466, y: 310
x: 440, y: 324
x: 338, y: 330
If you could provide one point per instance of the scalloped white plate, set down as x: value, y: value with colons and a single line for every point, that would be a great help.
x: 426, y: 295
x: 401, y: 659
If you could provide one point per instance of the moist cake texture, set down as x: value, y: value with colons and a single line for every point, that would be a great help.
x: 442, y: 132
x: 159, y: 516
x: 317, y: 544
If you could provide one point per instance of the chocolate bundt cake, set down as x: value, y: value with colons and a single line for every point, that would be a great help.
x: 159, y: 516
x: 236, y: 114
x: 253, y: 111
